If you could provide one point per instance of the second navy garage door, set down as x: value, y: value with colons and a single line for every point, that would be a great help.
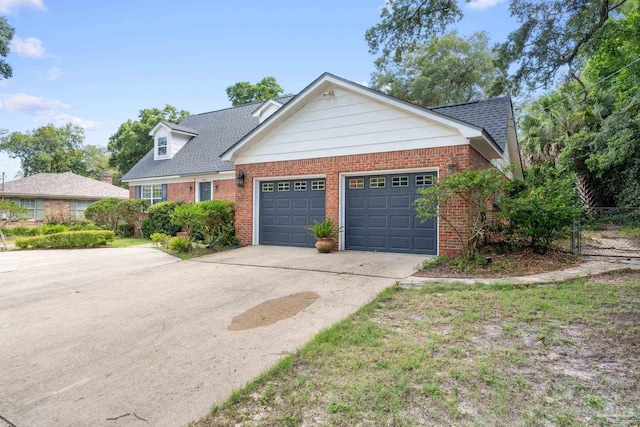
x: 287, y: 208
x: 380, y: 216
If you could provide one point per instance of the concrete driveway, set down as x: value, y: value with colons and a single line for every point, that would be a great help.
x: 155, y: 342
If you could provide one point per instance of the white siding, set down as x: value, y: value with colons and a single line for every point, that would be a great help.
x: 177, y: 142
x: 347, y: 123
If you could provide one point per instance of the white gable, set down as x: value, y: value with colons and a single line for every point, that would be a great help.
x: 339, y: 122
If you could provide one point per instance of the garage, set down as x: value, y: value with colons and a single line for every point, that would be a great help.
x: 379, y: 214
x: 287, y: 208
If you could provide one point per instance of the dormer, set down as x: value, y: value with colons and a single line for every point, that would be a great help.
x: 266, y: 109
x: 169, y: 138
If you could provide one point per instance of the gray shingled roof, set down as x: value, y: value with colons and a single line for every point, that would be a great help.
x: 492, y: 115
x: 217, y: 131
x: 180, y: 128
x: 62, y: 185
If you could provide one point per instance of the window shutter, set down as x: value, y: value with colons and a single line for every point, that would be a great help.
x: 137, y: 191
x: 39, y: 209
x: 164, y: 192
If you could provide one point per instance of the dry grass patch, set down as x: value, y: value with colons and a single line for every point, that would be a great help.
x: 565, y: 354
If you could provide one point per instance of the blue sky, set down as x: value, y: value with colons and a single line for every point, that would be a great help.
x: 96, y: 63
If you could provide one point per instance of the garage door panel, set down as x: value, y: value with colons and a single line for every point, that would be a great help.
x: 383, y: 217
x: 377, y: 202
x: 286, y: 209
x: 403, y: 201
x: 401, y: 222
x: 377, y: 222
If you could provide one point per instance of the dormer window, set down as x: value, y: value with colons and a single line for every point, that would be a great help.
x: 162, y: 147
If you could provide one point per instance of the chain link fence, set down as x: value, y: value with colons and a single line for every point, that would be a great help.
x: 606, y: 232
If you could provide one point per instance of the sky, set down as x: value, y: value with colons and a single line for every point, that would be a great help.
x: 97, y: 63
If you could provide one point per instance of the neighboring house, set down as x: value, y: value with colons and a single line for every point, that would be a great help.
x: 58, y: 195
x: 337, y: 150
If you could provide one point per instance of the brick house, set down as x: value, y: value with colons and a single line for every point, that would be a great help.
x: 58, y: 196
x: 337, y: 150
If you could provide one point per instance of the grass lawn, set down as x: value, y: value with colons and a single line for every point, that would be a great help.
x: 128, y: 241
x: 565, y: 354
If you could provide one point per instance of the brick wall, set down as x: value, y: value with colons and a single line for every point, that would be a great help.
x: 56, y: 209
x: 180, y: 192
x: 225, y: 189
x: 448, y: 242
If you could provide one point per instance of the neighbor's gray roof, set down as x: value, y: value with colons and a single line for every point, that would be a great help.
x: 180, y: 128
x: 62, y: 185
x: 492, y: 115
x: 217, y: 131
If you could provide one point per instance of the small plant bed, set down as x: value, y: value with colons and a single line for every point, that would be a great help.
x: 564, y: 354
x: 519, y: 263
x: 126, y: 242
x: 194, y: 252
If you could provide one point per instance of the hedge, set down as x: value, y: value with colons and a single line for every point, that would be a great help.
x: 66, y: 240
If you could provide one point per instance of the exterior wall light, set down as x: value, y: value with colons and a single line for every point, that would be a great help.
x: 240, y: 179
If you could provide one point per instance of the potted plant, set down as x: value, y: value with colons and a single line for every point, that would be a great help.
x: 325, y: 233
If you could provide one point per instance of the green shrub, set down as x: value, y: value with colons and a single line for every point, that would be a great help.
x: 540, y: 212
x: 12, y: 211
x: 145, y: 228
x: 211, y: 221
x: 324, y: 229
x: 104, y: 213
x: 180, y: 244
x: 33, y: 231
x: 53, y: 228
x: 160, y: 239
x: 125, y: 230
x: 160, y: 220
x: 84, y: 227
x: 67, y: 240
x: 16, y: 231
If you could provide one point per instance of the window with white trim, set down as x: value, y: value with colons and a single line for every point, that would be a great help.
x: 152, y: 193
x: 378, y: 182
x: 300, y: 186
x: 317, y: 185
x: 162, y: 146
x: 400, y: 181
x: 356, y: 183
x: 424, y: 180
x: 267, y: 187
x: 283, y: 186
x: 77, y: 208
x: 30, y: 205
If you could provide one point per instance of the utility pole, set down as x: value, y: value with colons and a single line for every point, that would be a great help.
x: 3, y: 175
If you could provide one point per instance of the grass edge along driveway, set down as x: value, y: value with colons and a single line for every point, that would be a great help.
x: 563, y: 354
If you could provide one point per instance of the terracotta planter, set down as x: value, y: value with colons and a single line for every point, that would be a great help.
x: 324, y: 245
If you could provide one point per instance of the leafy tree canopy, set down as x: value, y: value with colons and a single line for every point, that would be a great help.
x: 553, y: 36
x: 244, y: 92
x: 449, y: 69
x: 132, y: 141
x: 6, y: 35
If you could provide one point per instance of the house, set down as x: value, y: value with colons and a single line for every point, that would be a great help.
x: 338, y: 150
x: 58, y: 196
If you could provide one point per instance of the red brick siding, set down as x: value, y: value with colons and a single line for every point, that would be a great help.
x: 478, y: 161
x: 225, y: 189
x: 449, y: 243
x: 180, y: 192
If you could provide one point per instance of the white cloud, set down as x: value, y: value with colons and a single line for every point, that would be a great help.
x: 45, y: 110
x: 54, y: 73
x: 31, y: 47
x: 483, y: 4
x: 12, y: 6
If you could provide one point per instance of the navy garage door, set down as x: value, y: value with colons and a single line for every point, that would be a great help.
x: 380, y: 216
x: 287, y: 208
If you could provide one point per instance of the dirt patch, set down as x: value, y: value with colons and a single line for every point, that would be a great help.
x: 511, y: 264
x: 610, y: 241
x: 272, y: 311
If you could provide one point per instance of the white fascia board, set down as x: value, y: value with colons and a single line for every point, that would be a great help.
x: 153, y: 130
x: 264, y: 106
x: 468, y: 131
